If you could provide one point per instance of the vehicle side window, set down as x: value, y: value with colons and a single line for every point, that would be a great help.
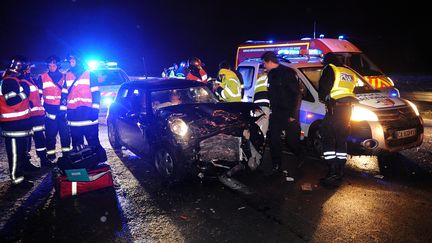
x: 248, y: 74
x: 138, y: 101
x: 122, y: 96
x: 306, y: 94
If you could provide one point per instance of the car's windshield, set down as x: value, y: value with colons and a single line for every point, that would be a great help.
x: 313, y: 74
x: 191, y: 95
x: 360, y: 63
x: 109, y: 77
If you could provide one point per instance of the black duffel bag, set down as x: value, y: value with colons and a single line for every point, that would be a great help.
x: 83, y: 157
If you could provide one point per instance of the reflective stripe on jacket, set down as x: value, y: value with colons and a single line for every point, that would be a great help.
x: 344, y: 83
x: 51, y: 91
x: 231, y: 88
x: 80, y: 93
x: 261, y: 91
x: 34, y: 98
x: 20, y: 111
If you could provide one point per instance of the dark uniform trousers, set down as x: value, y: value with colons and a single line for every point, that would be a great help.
x: 90, y: 133
x: 334, y: 132
x: 279, y: 123
x: 54, y: 125
x: 16, y: 149
x: 38, y: 123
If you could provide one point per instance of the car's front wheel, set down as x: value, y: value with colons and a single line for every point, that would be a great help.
x: 168, y: 165
x: 113, y: 136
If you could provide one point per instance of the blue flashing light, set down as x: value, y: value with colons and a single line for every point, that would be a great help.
x: 107, y: 101
x: 93, y: 64
x: 289, y: 52
x: 321, y: 36
x: 270, y: 41
x: 306, y: 38
x: 394, y: 93
x: 111, y: 64
x: 315, y: 52
x: 341, y: 37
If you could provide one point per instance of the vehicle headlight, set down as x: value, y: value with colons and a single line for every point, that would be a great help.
x: 363, y: 114
x: 178, y: 127
x: 414, y: 107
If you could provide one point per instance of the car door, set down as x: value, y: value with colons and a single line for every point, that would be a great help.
x: 135, y: 122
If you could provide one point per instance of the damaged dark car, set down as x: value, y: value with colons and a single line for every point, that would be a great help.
x: 183, y: 129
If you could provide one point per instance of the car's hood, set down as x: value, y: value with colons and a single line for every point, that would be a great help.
x: 379, y: 100
x: 190, y: 112
x: 209, y: 118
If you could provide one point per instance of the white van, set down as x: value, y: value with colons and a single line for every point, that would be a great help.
x: 381, y: 122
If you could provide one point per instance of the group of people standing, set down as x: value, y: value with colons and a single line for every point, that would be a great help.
x: 56, y: 103
x: 278, y: 93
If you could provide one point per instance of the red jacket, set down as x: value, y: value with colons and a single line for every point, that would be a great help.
x: 80, y: 94
x: 36, y: 109
x: 202, y: 78
x: 20, y: 111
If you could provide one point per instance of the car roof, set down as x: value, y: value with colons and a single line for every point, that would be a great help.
x: 163, y: 83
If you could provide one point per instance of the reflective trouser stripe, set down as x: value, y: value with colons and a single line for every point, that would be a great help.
x: 38, y: 128
x: 50, y: 152
x: 51, y: 116
x: 63, y: 108
x: 74, y: 188
x: 82, y: 123
x: 66, y: 149
x: 329, y: 157
x: 18, y: 134
x: 40, y: 149
x: 329, y: 153
x: 14, y: 158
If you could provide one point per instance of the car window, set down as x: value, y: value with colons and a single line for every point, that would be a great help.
x: 137, y: 100
x: 109, y: 77
x: 172, y: 97
x: 248, y: 75
x: 306, y: 94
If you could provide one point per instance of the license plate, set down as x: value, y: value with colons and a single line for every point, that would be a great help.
x: 406, y: 133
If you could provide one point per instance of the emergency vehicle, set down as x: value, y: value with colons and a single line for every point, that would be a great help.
x: 109, y: 77
x: 381, y: 122
x: 352, y: 56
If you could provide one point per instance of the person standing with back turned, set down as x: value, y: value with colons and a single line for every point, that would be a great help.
x: 285, y: 99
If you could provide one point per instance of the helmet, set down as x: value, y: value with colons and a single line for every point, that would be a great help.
x: 194, y: 62
x: 72, y: 55
x: 18, y: 65
x: 52, y: 59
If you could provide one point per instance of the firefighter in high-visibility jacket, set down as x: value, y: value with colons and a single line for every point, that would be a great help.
x: 229, y: 88
x: 336, y: 90
x: 261, y: 98
x: 53, y: 92
x: 15, y: 120
x: 37, y: 114
x: 82, y: 103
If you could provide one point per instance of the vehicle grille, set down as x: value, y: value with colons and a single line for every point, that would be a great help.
x: 396, y: 120
x: 395, y: 114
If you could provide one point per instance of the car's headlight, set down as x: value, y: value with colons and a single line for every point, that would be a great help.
x: 178, y: 127
x: 414, y: 107
x: 363, y: 114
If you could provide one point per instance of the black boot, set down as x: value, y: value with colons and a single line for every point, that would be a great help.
x: 332, y: 180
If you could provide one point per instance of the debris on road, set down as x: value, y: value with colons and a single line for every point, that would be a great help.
x: 241, y: 208
x: 306, y: 187
x: 379, y: 177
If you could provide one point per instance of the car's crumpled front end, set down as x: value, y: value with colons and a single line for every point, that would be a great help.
x: 216, y: 136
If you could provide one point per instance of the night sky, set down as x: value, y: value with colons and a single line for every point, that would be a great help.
x: 164, y: 32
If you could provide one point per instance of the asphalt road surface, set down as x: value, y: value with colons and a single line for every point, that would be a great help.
x: 377, y: 202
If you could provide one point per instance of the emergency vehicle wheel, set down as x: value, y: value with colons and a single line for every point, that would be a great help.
x: 167, y: 164
x: 113, y: 136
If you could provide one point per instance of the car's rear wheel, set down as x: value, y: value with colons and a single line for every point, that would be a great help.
x: 168, y: 165
x: 113, y: 136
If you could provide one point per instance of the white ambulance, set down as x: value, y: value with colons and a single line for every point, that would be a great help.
x: 381, y: 123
